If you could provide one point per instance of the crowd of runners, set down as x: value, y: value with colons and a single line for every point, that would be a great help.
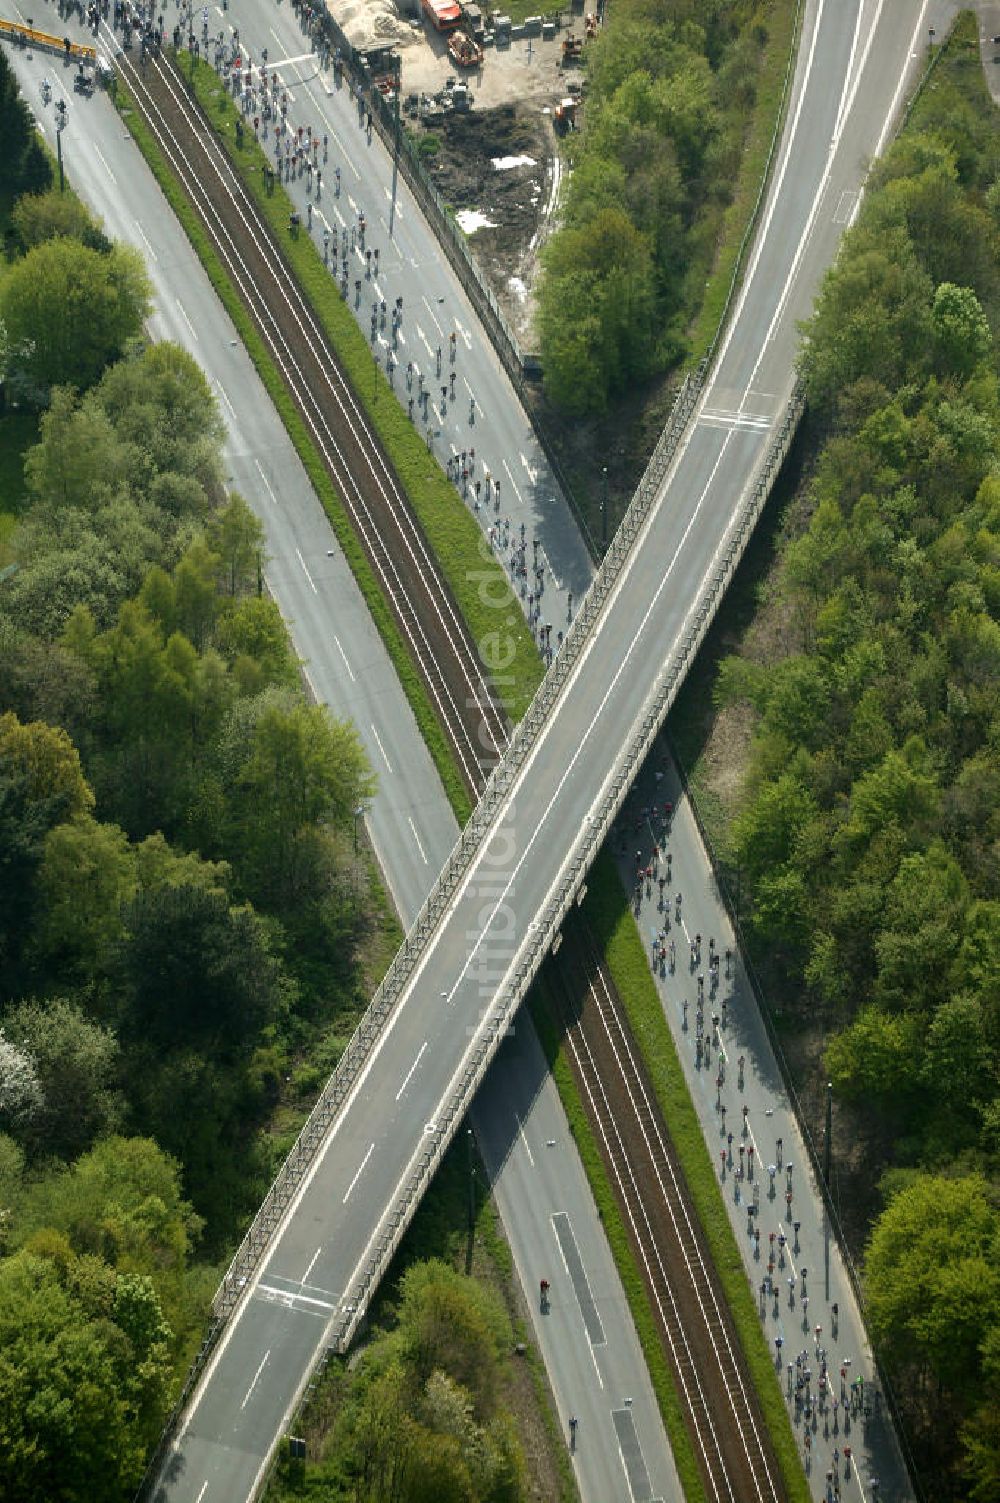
x: 425, y: 384
x: 829, y: 1403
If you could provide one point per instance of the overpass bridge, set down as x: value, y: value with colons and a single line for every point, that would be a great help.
x: 302, y: 1280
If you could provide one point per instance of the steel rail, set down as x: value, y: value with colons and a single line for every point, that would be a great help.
x: 452, y: 628
x: 675, y: 1202
x: 604, y: 1119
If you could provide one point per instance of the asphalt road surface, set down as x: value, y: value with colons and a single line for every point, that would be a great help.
x: 521, y: 1129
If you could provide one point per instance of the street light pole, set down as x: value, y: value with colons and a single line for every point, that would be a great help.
x: 604, y: 509
x: 398, y: 71
x: 60, y: 127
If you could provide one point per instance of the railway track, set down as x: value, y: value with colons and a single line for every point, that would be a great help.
x: 727, y: 1431
x: 430, y: 622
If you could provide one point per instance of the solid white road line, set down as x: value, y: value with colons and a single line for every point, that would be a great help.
x: 154, y: 257
x: 183, y: 313
x: 306, y: 571
x: 510, y: 477
x: 433, y: 315
x: 204, y: 1489
x: 343, y: 654
x: 253, y: 1385
x: 381, y: 748
x: 267, y: 483
x: 358, y: 1173
x: 416, y: 837
x: 312, y: 1264
x: 104, y: 162
x: 524, y: 1140
x: 406, y: 1079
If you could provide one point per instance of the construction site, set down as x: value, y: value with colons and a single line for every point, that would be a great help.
x: 486, y: 101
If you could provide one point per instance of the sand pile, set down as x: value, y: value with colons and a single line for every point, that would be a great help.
x: 372, y: 23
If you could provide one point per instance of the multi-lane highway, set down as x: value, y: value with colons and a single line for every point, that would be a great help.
x: 561, y: 783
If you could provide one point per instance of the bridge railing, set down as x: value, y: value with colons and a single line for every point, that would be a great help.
x: 543, y: 931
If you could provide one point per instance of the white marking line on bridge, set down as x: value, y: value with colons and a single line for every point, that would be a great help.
x: 312, y: 1265
x: 409, y: 1073
x: 524, y: 1140
x: 381, y: 748
x: 423, y: 854
x: 433, y: 315
x: 358, y: 1173
x: 539, y: 749
x: 513, y: 482
x: 532, y: 474
x: 183, y: 313
x: 290, y: 1298
x: 426, y: 341
x: 844, y: 212
x: 155, y: 257
x: 253, y: 1385
x: 718, y: 417
x: 267, y: 483
x: 204, y: 1490
x: 306, y: 571
x: 343, y: 654
x: 104, y: 162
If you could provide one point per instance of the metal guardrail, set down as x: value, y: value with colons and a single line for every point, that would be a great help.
x: 28, y: 36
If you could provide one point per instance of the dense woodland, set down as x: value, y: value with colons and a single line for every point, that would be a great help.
x: 186, y: 928
x: 671, y: 86
x: 869, y: 835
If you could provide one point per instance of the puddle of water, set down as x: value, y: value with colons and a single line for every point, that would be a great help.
x: 471, y: 220
x: 503, y: 163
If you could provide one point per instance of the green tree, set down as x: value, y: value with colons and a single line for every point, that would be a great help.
x: 961, y: 329
x: 76, y: 1064
x: 68, y: 311
x: 193, y: 968
x: 236, y: 536
x: 932, y: 1277
x: 83, y: 1383
x: 121, y: 1202
x: 87, y: 874
x: 78, y: 458
x: 46, y: 216
x: 291, y: 766
x: 24, y: 167
x: 878, y: 1056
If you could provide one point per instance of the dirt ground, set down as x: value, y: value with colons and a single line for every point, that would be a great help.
x: 497, y: 165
